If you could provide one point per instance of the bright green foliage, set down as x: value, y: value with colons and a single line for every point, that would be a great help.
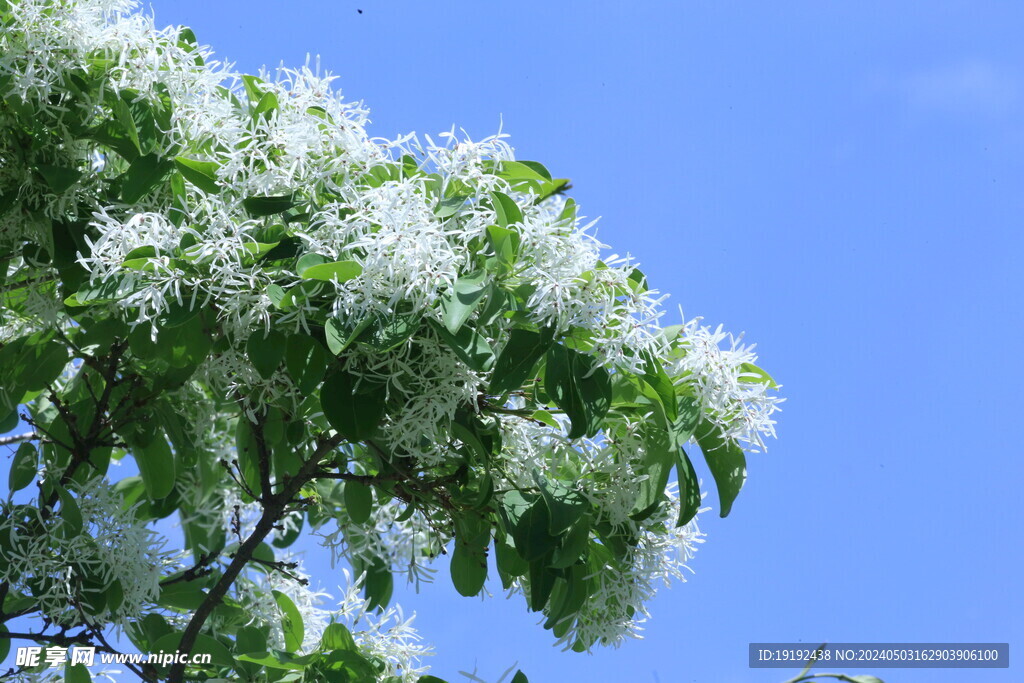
x: 285, y: 326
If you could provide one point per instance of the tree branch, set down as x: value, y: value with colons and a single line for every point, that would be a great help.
x: 200, y: 569
x: 16, y: 438
x: 263, y: 457
x: 56, y: 638
x: 273, y: 509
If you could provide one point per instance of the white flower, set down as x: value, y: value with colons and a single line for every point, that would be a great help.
x: 618, y: 609
x: 738, y: 401
x: 111, y: 550
x: 388, y: 635
x: 402, y: 544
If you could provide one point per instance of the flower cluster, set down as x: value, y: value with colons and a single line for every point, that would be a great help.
x: 91, y: 559
x: 617, y: 610
x: 274, y: 279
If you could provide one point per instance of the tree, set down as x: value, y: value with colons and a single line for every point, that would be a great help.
x: 414, y: 348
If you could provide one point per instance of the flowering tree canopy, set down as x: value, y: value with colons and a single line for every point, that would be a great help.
x: 406, y: 348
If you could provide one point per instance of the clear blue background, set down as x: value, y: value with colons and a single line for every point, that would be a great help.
x: 840, y: 180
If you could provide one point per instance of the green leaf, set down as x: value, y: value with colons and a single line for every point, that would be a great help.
x: 521, y: 171
x: 295, y: 295
x: 358, y: 501
x: 565, y: 505
x: 178, y: 314
x: 110, y: 133
x: 188, y: 595
x: 689, y: 489
x: 470, y: 346
x: 660, y: 455
x: 251, y: 639
x: 568, y: 214
x: 508, y: 211
x: 306, y: 361
x: 538, y: 168
x: 70, y: 513
x: 337, y: 637
x: 76, y: 673
x: 542, y: 582
x: 278, y: 661
x: 8, y: 423
x: 517, y: 360
x: 266, y: 351
x: 659, y: 381
x: 187, y: 41
x: 354, y: 413
x: 579, y: 387
x: 252, y: 87
x: 219, y: 655
x: 59, y: 178
x: 308, y: 260
x: 574, y: 544
x: 726, y: 461
x: 379, y: 584
x: 185, y: 345
x: 339, y: 336
x: 386, y: 333
x: 463, y: 299
x: 339, y: 271
x: 864, y: 679
x: 510, y: 564
x: 469, y: 558
x: 468, y: 570
x: 267, y: 104
x: 42, y: 364
x: 5, y: 643
x: 520, y: 677
x: 529, y: 176
x: 106, y: 291
x: 287, y: 248
x: 143, y: 175
x: 505, y: 243
x: 449, y: 206
x: 24, y: 467
x: 248, y: 452
x: 122, y: 112
x: 268, y: 206
x: 156, y: 467
x: 690, y: 414
x: 753, y: 374
x: 202, y: 174
x: 291, y: 622
x: 276, y: 294
x: 531, y: 533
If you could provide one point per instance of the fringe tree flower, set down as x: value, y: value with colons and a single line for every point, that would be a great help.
x: 412, y: 348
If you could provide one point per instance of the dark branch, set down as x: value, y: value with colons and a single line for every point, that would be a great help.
x: 274, y: 508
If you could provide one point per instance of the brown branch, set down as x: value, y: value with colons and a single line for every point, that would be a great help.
x: 239, y: 480
x: 56, y: 638
x: 263, y: 458
x: 368, y: 479
x: 273, y: 509
x: 197, y: 571
x: 49, y: 437
x: 82, y: 445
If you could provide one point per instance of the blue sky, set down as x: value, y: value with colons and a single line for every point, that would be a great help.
x: 839, y: 180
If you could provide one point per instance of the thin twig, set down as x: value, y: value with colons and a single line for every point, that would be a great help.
x: 17, y: 438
